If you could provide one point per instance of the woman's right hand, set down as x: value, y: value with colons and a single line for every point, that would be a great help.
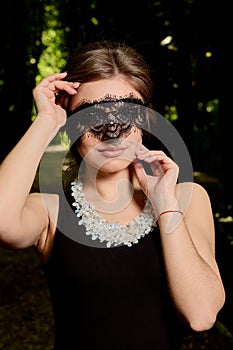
x: 45, y: 93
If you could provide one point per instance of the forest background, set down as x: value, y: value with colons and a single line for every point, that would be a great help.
x: 187, y: 43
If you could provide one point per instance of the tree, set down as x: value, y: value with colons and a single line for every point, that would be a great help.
x: 20, y: 28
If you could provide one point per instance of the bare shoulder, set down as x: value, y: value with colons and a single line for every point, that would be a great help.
x: 195, y: 203
x: 192, y: 185
x: 192, y: 194
x: 199, y: 190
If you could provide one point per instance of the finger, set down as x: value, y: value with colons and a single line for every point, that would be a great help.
x: 154, y: 162
x: 52, y: 78
x: 142, y: 151
x: 150, y: 156
x: 61, y: 86
x: 55, y: 83
x: 141, y: 176
x: 70, y: 87
x: 141, y: 148
x: 159, y: 163
x: 154, y: 159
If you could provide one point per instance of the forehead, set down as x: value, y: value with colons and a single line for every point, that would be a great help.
x: 96, y: 90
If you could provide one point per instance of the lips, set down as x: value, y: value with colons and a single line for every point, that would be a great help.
x: 111, y: 152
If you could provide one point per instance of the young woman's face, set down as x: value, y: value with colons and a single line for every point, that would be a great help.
x: 106, y: 153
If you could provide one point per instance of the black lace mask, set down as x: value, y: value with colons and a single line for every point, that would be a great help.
x: 110, y: 117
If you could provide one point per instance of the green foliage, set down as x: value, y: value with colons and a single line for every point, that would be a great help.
x: 53, y: 57
x: 171, y: 113
x: 64, y: 140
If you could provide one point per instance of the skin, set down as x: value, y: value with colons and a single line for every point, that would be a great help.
x: 188, y: 242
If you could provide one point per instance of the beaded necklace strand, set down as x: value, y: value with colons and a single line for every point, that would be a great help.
x: 113, y: 233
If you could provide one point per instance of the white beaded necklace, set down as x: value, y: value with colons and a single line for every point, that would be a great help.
x: 113, y: 233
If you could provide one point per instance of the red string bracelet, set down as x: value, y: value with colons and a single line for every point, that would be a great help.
x: 169, y: 211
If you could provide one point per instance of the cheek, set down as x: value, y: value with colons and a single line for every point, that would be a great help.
x: 135, y: 135
x: 86, y: 143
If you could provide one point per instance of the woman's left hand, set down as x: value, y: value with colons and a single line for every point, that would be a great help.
x: 160, y: 186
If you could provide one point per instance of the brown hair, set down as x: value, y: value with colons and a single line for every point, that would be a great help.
x: 101, y: 60
x: 105, y: 59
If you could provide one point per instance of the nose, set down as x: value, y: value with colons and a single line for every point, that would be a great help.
x: 112, y: 131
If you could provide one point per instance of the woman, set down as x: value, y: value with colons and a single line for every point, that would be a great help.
x: 160, y: 272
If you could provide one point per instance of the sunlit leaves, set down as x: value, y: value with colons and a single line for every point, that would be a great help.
x: 53, y: 57
x: 171, y: 113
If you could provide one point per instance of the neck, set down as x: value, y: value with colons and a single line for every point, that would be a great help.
x: 108, y: 185
x: 105, y: 190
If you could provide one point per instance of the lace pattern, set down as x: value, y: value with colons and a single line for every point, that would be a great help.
x: 110, y: 117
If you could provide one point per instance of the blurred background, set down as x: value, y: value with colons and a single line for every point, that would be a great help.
x: 187, y: 43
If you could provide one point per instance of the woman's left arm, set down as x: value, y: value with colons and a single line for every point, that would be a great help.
x: 188, y: 240
x: 189, y: 254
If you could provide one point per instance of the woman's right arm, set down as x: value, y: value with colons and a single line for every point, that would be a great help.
x: 23, y: 215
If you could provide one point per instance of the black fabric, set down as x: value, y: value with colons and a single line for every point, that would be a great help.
x: 109, y: 298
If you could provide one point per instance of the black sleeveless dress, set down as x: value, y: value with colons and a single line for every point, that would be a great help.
x: 108, y: 298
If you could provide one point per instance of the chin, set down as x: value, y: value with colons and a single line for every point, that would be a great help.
x: 115, y: 165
